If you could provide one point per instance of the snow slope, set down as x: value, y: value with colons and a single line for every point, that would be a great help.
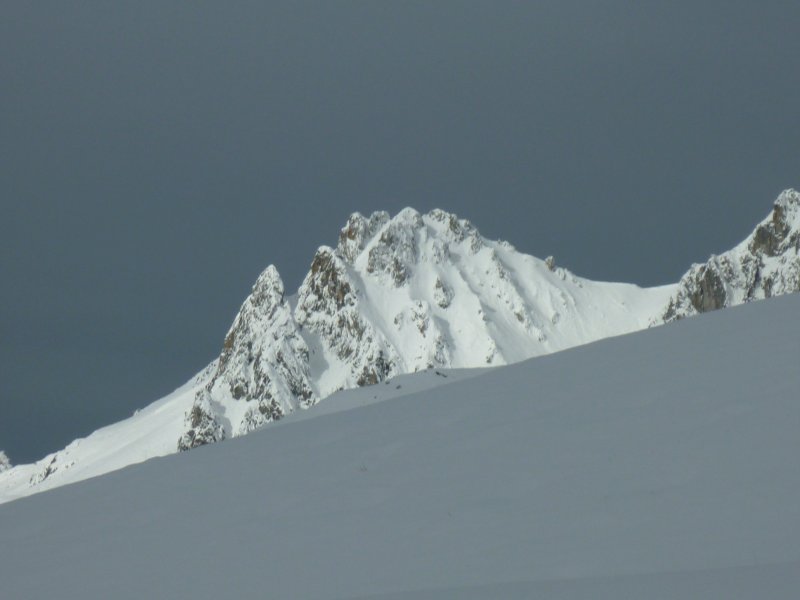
x: 150, y: 432
x: 660, y: 464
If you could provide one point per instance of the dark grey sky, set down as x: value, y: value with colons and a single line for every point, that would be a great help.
x: 156, y: 156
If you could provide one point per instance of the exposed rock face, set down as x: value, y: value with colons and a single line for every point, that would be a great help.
x: 328, y: 306
x: 263, y: 366
x: 5, y: 462
x: 203, y: 425
x: 357, y: 232
x: 457, y: 231
x: 442, y: 293
x: 396, y: 295
x: 766, y: 264
x: 395, y: 251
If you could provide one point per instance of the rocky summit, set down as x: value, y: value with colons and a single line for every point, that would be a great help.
x: 399, y: 295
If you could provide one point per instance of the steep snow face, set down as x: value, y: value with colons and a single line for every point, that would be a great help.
x: 5, y: 462
x: 400, y: 295
x: 765, y: 264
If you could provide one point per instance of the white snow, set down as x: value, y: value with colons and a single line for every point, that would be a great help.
x: 660, y: 464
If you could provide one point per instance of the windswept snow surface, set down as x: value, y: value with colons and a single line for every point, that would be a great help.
x: 661, y: 464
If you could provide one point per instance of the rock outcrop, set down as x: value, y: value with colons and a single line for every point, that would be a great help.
x: 765, y: 264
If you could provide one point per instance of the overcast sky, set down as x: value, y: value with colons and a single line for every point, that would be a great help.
x: 156, y: 156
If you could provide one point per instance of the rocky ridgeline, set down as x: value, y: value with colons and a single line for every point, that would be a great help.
x: 766, y: 264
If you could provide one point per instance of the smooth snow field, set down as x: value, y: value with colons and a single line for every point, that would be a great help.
x: 661, y: 464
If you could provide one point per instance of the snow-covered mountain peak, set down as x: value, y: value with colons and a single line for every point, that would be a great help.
x: 408, y: 215
x: 399, y: 294
x: 454, y: 228
x: 780, y: 231
x: 406, y: 293
x: 401, y: 234
x: 789, y: 200
x: 268, y: 289
x: 393, y: 249
x: 358, y: 231
x: 326, y: 286
x: 765, y: 264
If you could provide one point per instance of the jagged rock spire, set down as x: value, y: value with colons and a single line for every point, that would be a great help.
x: 263, y: 364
